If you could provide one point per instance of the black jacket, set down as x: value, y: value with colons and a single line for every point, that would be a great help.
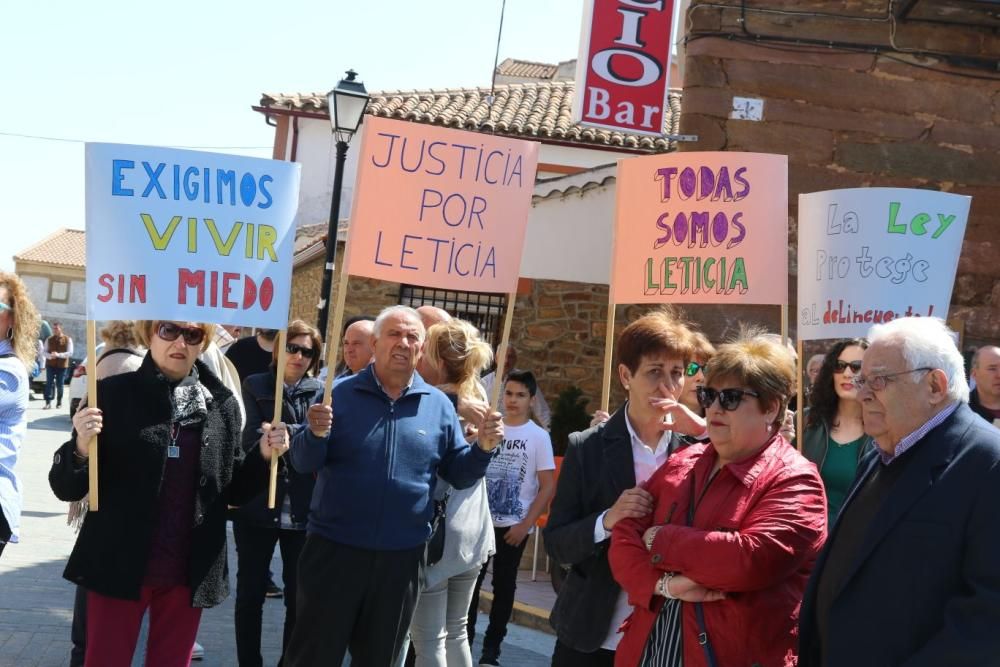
x: 977, y: 406
x: 258, y: 399
x: 924, y: 587
x: 597, y: 467
x: 112, y: 550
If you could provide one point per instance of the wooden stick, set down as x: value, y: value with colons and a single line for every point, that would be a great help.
x: 784, y: 324
x: 495, y: 392
x: 279, y: 396
x: 94, y: 499
x: 800, y: 401
x: 609, y: 348
x: 333, y: 342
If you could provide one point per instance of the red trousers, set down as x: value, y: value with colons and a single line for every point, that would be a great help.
x: 113, y: 627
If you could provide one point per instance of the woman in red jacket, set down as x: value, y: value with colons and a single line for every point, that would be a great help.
x: 717, y: 572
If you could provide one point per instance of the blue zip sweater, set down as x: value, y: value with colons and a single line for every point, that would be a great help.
x: 378, y: 465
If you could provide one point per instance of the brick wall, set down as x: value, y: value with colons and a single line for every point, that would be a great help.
x: 852, y: 119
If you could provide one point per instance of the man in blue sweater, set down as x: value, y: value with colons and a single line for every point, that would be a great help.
x: 377, y: 452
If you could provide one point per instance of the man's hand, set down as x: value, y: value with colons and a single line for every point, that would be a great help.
x: 516, y: 534
x: 491, y: 432
x: 273, y: 439
x: 473, y: 411
x: 633, y: 503
x: 320, y: 419
x: 689, y: 590
x: 683, y: 420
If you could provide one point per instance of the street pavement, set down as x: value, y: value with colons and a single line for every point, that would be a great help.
x: 36, y: 603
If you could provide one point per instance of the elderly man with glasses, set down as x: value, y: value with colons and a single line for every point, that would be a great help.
x: 910, y: 573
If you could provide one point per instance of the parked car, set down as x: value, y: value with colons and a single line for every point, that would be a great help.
x: 78, y: 381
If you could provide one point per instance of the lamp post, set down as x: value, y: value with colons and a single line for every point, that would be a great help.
x: 346, y: 103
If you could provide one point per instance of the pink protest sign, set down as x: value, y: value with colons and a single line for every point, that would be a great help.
x: 701, y: 228
x: 439, y: 207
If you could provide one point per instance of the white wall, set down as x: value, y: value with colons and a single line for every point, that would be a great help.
x: 569, y: 237
x: 73, y: 314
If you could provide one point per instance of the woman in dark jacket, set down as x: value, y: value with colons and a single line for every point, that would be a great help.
x: 255, y: 527
x: 834, y: 436
x: 170, y: 463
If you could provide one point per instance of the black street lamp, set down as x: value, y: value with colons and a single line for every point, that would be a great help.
x: 346, y: 103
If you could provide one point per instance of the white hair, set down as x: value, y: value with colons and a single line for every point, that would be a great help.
x: 926, y: 342
x: 398, y: 310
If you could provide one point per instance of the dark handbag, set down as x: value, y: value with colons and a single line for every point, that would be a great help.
x: 434, y: 549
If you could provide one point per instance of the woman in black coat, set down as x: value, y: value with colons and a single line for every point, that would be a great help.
x: 170, y: 464
x: 256, y: 528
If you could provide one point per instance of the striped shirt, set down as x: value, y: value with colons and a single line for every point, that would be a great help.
x: 13, y: 425
x: 913, y: 438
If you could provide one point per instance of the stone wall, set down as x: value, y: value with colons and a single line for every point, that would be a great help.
x: 848, y: 118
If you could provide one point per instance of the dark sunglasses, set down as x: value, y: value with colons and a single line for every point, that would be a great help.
x: 841, y: 366
x: 306, y: 352
x: 729, y: 399
x: 692, y: 368
x: 170, y: 332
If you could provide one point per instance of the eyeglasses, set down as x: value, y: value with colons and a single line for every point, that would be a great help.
x: 729, y: 399
x: 170, y: 332
x: 306, y: 352
x: 841, y: 366
x: 692, y: 368
x: 878, y: 382
x: 4, y: 306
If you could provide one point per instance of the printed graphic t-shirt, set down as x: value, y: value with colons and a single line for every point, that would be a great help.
x: 511, y: 479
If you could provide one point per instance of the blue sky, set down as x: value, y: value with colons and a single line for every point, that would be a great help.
x: 186, y: 73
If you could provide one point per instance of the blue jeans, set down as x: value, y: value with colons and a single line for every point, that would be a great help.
x: 54, y: 376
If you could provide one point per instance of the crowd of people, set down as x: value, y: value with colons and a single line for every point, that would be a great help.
x: 693, y: 526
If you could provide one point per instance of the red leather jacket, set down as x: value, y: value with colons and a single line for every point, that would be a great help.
x: 755, y: 535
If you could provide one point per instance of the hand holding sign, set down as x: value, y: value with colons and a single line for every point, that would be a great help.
x: 320, y: 419
x: 273, y: 439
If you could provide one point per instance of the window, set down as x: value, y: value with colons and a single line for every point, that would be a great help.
x: 58, y: 291
x: 484, y: 311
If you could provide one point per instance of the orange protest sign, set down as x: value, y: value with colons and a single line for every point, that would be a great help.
x: 440, y: 207
x: 701, y: 228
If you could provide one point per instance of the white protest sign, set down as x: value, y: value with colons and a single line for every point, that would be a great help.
x: 870, y: 255
x: 186, y: 235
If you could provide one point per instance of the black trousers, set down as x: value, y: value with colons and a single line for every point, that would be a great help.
x: 78, y: 631
x: 564, y: 656
x: 254, y: 547
x: 505, y: 564
x: 355, y: 600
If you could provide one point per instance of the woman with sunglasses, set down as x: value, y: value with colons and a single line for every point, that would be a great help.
x: 834, y: 436
x: 716, y: 572
x: 256, y: 528
x: 170, y: 464
x: 695, y: 371
x: 18, y: 332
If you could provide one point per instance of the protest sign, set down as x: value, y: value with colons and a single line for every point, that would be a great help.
x: 439, y: 207
x: 623, y: 68
x: 701, y: 228
x: 185, y: 235
x: 870, y: 255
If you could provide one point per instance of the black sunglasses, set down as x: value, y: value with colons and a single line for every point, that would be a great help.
x: 729, y: 399
x: 692, y: 368
x: 841, y: 366
x: 306, y: 352
x: 170, y: 332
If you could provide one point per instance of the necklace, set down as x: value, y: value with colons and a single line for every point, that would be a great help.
x: 173, y: 449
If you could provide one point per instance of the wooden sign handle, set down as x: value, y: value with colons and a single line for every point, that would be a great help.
x: 94, y: 495
x: 609, y: 349
x: 279, y: 395
x: 497, y: 388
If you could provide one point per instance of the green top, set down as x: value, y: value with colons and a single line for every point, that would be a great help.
x: 838, y: 473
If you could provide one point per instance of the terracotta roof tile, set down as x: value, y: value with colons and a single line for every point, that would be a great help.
x: 66, y: 247
x: 526, y: 69
x: 535, y: 110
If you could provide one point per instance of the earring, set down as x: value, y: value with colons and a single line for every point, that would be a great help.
x: 626, y: 387
x: 10, y: 333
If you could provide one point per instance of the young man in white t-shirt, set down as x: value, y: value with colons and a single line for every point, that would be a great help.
x: 520, y: 483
